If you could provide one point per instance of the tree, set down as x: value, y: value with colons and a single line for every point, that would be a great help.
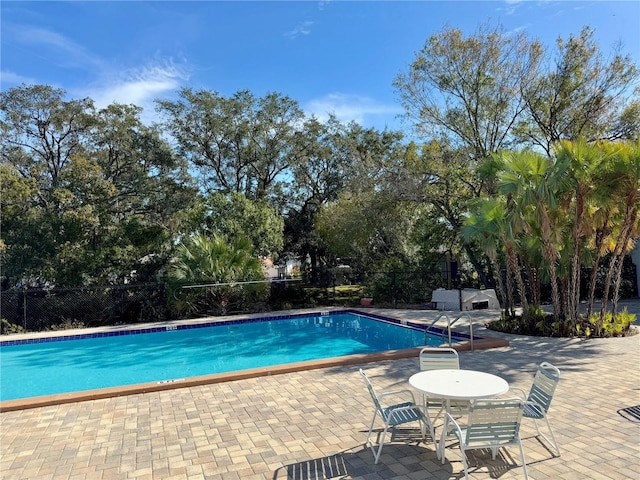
x: 535, y: 180
x: 463, y: 92
x: 215, y: 260
x: 625, y: 172
x: 467, y: 89
x: 240, y: 144
x: 492, y: 225
x: 235, y: 216
x: 444, y: 181
x: 105, y: 191
x: 585, y: 186
x: 337, y: 159
x: 41, y: 132
x: 42, y: 138
x: 583, y: 95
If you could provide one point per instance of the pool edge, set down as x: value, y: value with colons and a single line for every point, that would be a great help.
x: 482, y: 343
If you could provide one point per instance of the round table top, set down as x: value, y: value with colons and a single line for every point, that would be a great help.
x: 459, y: 384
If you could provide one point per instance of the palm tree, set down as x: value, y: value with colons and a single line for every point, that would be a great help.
x: 533, y: 182
x: 491, y: 224
x: 215, y: 260
x: 625, y: 175
x: 585, y: 161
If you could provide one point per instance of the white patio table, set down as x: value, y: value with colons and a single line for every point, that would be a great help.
x: 458, y: 385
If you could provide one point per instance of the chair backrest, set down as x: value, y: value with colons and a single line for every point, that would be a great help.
x: 372, y: 392
x: 439, y: 358
x: 493, y: 421
x: 544, y: 385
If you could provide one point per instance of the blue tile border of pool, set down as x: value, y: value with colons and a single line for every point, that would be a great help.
x: 81, y: 336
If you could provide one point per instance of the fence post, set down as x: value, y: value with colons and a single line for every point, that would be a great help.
x: 394, y: 289
x: 333, y: 281
x: 24, y: 307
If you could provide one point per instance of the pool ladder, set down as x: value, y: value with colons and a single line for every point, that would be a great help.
x: 449, y: 325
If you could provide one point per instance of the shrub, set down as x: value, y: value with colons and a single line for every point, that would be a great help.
x: 7, y: 327
x: 610, y: 325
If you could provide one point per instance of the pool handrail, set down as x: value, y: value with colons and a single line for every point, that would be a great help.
x: 470, y: 325
x: 449, y: 325
x: 426, y: 332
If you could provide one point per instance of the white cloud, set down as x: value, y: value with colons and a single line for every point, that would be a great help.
x: 348, y: 107
x: 104, y: 80
x: 139, y: 86
x: 303, y: 28
x: 8, y: 77
x: 74, y: 54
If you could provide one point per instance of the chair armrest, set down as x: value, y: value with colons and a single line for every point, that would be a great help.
x: 450, y: 420
x: 519, y: 390
x: 536, y: 406
x: 450, y: 426
x: 399, y: 393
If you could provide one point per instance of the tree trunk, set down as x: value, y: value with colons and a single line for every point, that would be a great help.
x: 512, y: 259
x: 551, y: 255
x: 501, y: 290
x: 601, y: 234
x: 574, y: 284
x: 630, y: 218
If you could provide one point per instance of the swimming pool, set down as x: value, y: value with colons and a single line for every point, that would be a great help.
x: 164, y: 354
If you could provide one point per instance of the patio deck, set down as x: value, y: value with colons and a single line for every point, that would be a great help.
x: 298, y: 425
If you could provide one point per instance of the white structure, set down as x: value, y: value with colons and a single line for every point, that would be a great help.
x: 465, y: 299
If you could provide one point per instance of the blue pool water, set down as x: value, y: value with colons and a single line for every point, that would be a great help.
x: 71, y: 365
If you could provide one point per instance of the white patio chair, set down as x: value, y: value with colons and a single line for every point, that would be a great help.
x: 538, y: 400
x: 441, y: 358
x: 493, y: 423
x: 393, y: 415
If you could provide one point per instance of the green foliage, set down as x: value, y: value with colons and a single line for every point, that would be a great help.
x: 75, y: 181
x: 7, y: 328
x: 94, y: 196
x: 234, y: 216
x: 540, y: 323
x: 241, y: 143
x: 365, y: 228
x: 465, y: 88
x: 586, y: 95
x: 609, y: 325
x: 221, y: 266
x: 67, y: 324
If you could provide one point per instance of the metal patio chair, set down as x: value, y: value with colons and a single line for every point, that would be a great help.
x: 394, y: 414
x: 441, y: 358
x: 492, y: 423
x: 538, y: 400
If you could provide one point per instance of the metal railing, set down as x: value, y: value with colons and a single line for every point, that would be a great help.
x: 449, y: 325
x: 426, y: 332
x: 462, y: 314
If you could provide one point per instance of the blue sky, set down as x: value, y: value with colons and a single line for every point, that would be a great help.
x: 330, y: 56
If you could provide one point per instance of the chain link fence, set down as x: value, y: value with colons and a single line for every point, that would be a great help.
x: 36, y: 309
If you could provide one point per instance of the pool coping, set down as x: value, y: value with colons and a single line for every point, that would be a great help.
x: 479, y: 343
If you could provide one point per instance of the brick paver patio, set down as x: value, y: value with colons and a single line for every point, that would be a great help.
x: 312, y: 424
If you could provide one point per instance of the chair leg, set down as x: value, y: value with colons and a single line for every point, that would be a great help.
x: 524, y: 463
x: 465, y: 465
x: 381, y: 444
x: 369, y: 442
x: 552, y: 441
x: 494, y: 452
x: 440, y: 447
